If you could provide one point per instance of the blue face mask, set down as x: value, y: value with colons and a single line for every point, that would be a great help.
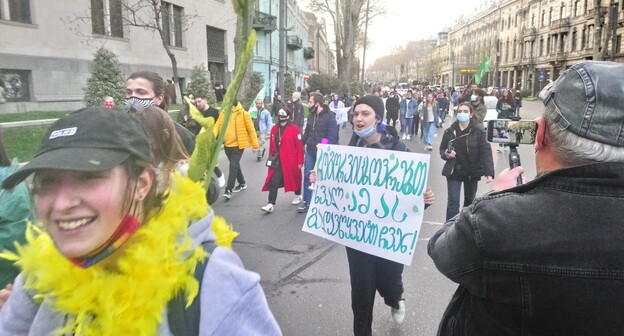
x: 463, y: 117
x: 365, y: 133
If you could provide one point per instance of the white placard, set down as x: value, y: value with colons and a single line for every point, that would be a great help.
x: 342, y: 114
x: 369, y: 199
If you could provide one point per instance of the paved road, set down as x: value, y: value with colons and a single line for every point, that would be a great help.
x: 306, y: 278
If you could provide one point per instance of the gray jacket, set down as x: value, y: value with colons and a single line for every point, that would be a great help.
x: 232, y: 301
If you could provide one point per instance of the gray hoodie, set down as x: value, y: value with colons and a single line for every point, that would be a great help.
x: 232, y: 301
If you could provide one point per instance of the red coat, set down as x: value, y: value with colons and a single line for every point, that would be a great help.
x: 290, y: 155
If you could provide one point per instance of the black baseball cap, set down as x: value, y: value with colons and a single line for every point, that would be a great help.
x: 90, y: 139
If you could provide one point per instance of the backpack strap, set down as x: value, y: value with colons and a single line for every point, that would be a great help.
x: 185, y: 321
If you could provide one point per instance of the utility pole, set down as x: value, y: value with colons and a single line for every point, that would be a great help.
x: 365, y: 41
x: 613, y: 23
x: 497, y: 60
x: 282, y: 46
x: 598, y: 52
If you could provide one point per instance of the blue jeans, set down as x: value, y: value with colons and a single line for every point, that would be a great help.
x: 454, y: 188
x: 408, y: 127
x: 429, y: 130
x: 308, y: 165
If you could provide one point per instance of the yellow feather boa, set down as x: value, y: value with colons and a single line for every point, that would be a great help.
x: 158, y: 261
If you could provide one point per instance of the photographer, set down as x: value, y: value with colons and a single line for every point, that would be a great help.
x: 545, y: 258
x: 468, y: 156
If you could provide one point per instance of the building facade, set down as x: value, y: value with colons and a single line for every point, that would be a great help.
x: 47, y: 46
x: 266, y: 54
x: 530, y: 42
x: 321, y: 59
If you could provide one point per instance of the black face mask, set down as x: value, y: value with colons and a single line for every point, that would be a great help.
x: 283, y: 118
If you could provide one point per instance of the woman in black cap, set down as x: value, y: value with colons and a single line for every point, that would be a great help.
x: 370, y: 273
x: 112, y: 255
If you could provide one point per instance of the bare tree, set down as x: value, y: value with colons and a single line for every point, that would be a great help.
x: 348, y: 17
x: 146, y: 14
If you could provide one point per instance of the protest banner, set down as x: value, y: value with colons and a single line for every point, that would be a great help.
x: 342, y: 114
x: 369, y: 199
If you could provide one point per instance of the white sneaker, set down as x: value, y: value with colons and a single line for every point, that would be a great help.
x: 398, y: 314
x: 404, y: 137
x: 267, y: 208
x: 409, y: 137
x: 297, y: 200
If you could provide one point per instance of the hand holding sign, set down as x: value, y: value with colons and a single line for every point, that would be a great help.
x: 369, y: 199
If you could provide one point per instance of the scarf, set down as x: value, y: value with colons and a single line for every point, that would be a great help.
x: 157, y: 263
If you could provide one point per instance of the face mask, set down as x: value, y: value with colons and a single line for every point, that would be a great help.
x: 473, y: 98
x: 463, y: 117
x: 134, y: 104
x: 283, y: 118
x: 365, y: 133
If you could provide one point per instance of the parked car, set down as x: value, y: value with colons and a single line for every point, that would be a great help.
x: 491, y: 114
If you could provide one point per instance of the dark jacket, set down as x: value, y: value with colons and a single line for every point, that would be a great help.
x: 393, y: 105
x: 277, y: 105
x: 479, y: 153
x: 319, y: 126
x: 543, y: 258
x: 297, y: 115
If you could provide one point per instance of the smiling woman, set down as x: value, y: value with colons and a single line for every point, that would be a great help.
x: 110, y: 242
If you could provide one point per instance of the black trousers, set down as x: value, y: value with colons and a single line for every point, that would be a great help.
x: 276, y: 182
x: 234, y: 155
x: 370, y: 273
x: 416, y: 121
x: 392, y: 116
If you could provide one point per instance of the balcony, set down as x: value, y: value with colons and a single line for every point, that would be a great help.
x: 294, y: 42
x: 308, y: 53
x: 529, y: 34
x: 264, y: 21
x: 560, y: 26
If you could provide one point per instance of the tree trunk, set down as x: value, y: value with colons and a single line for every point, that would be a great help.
x: 239, y: 47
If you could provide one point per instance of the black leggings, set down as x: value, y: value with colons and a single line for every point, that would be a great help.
x: 276, y: 182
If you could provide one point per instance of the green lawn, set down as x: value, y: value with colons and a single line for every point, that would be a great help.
x: 23, y: 142
x: 34, y: 115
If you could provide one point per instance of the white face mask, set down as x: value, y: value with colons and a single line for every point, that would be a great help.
x: 474, y: 98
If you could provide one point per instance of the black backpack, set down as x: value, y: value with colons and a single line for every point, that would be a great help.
x: 183, y: 321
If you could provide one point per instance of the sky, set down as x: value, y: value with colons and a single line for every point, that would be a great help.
x: 408, y: 20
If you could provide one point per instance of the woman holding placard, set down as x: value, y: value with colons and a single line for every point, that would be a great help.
x: 370, y: 273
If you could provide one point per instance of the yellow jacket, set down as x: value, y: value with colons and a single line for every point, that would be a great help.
x: 240, y: 131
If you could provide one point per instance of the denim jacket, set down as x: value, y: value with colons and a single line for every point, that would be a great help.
x: 544, y: 258
x: 409, y: 110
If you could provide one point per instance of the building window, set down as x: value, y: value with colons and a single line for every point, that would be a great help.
x: 585, y: 7
x: 541, y: 47
x: 548, y: 45
x: 551, y: 18
x: 172, y: 24
x: 562, y: 12
x: 576, y: 8
x: 106, y: 21
x: 15, y: 10
x: 16, y: 84
x: 532, y: 20
x: 543, y: 18
x: 618, y: 44
x: 573, y: 46
x: 583, y: 38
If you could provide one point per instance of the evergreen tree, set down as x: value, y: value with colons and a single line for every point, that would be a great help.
x: 256, y: 82
x: 106, y: 79
x: 200, y: 84
x: 289, y: 84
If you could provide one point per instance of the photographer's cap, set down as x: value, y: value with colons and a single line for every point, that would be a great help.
x: 91, y: 139
x: 588, y: 100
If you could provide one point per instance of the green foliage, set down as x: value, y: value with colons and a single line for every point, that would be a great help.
x: 22, y: 142
x: 256, y: 82
x: 324, y: 83
x: 200, y: 85
x: 289, y: 84
x: 106, y: 79
x: 359, y: 88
